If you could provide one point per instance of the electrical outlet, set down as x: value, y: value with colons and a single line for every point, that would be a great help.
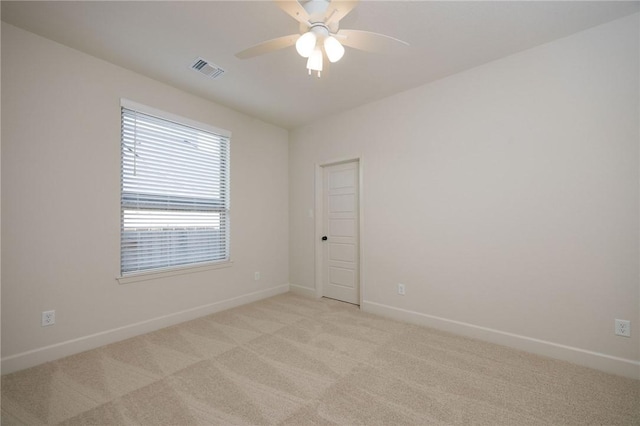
x: 48, y: 318
x: 401, y: 289
x: 623, y: 328
x: 256, y: 276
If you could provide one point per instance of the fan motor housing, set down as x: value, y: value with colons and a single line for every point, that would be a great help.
x: 317, y: 10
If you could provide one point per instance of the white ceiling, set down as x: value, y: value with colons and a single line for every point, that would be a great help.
x: 161, y: 40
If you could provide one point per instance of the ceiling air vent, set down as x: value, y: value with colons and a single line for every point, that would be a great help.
x: 207, y: 68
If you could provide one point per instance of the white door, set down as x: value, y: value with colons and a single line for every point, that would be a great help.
x: 340, y: 269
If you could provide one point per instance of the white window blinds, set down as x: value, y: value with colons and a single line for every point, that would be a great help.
x: 174, y: 194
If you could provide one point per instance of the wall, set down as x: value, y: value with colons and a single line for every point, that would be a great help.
x: 505, y: 198
x: 61, y: 214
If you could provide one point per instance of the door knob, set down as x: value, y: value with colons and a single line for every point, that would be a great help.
x: 324, y: 238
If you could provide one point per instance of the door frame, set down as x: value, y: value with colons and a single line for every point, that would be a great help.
x: 319, y: 218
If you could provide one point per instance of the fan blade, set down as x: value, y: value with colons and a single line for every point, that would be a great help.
x: 294, y: 9
x: 371, y: 42
x: 338, y: 9
x: 268, y: 46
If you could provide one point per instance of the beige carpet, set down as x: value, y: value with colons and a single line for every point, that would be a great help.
x: 297, y: 361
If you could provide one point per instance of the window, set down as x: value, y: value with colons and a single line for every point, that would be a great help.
x: 174, y: 192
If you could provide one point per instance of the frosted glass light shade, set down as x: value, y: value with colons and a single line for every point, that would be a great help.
x: 315, y: 60
x: 305, y: 44
x: 334, y: 49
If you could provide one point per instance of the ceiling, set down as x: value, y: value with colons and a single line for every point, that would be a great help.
x: 162, y: 39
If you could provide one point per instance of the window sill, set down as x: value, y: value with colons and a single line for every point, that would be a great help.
x: 152, y: 275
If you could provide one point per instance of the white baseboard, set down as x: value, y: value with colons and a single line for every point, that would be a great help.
x: 303, y: 291
x: 599, y: 361
x: 38, y: 356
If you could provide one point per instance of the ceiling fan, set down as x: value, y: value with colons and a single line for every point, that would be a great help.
x: 320, y: 35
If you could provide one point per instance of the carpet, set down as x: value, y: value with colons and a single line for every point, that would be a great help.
x: 291, y: 360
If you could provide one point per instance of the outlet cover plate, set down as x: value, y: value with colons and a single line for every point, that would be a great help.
x: 623, y: 328
x: 48, y: 318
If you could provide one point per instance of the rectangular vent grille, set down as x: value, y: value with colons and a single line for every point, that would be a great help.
x: 207, y: 68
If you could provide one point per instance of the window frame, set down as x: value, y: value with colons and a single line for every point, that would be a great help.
x: 153, y: 273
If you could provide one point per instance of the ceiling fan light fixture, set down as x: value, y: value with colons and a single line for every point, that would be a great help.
x: 333, y: 48
x: 306, y: 44
x: 320, y: 33
x: 314, y: 63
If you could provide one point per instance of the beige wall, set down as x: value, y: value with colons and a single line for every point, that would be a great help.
x: 505, y: 198
x: 61, y: 215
